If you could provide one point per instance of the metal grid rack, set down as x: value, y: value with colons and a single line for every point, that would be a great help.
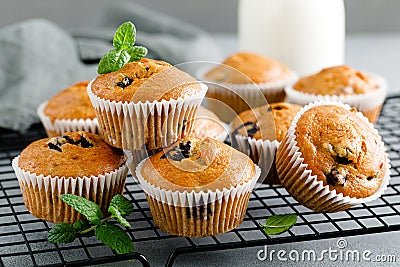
x: 23, y: 237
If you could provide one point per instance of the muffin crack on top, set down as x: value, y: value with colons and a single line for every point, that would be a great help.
x: 145, y: 80
x: 198, y: 164
x: 268, y: 122
x: 74, y: 154
x: 178, y: 153
x: 56, y: 143
x: 342, y: 150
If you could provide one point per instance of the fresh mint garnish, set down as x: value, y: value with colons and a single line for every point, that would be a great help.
x: 62, y: 233
x: 120, y: 207
x: 114, y: 237
x: 137, y: 53
x: 278, y: 224
x: 80, y: 225
x: 120, y: 203
x: 87, y: 208
x: 110, y: 234
x: 125, y: 36
x: 124, y: 50
x: 113, y: 61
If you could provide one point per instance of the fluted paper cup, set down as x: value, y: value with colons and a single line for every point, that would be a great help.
x: 300, y: 182
x: 148, y: 125
x: 262, y: 152
x: 60, y: 126
x: 370, y: 103
x: 42, y: 193
x: 197, y: 214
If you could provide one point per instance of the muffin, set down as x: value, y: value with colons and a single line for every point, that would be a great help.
x: 77, y: 163
x: 207, y: 124
x: 332, y: 158
x: 198, y: 187
x: 145, y: 104
x: 69, y: 111
x: 365, y: 92
x: 258, y: 132
x: 247, y: 80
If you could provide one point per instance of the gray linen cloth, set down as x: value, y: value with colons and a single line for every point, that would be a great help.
x: 39, y: 59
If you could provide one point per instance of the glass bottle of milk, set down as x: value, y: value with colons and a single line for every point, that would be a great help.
x: 306, y: 35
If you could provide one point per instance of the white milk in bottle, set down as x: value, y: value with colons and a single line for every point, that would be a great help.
x: 306, y: 35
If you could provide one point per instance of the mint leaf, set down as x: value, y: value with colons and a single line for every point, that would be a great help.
x: 80, y: 225
x: 122, y: 204
x: 278, y: 224
x: 124, y: 51
x: 61, y: 233
x: 114, y: 237
x: 124, y: 37
x: 112, y: 61
x: 87, y: 208
x: 117, y: 215
x: 137, y: 53
x: 120, y: 207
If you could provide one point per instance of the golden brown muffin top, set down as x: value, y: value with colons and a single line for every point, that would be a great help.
x: 199, y: 165
x: 259, y: 124
x: 71, y: 103
x: 342, y: 150
x: 244, y: 66
x: 206, y: 124
x: 338, y: 80
x: 74, y: 154
x: 145, y: 80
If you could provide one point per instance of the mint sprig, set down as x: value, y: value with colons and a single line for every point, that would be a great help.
x: 125, y: 36
x: 87, y: 208
x: 114, y: 237
x: 124, y: 50
x: 120, y: 207
x: 94, y: 224
x: 278, y: 224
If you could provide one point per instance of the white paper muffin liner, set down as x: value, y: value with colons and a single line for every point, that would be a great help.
x: 42, y: 193
x: 196, y: 214
x: 303, y: 185
x: 236, y: 93
x: 369, y: 104
x: 60, y: 126
x: 148, y: 125
x: 262, y: 152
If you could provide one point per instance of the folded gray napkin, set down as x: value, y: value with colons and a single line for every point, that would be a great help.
x: 38, y: 58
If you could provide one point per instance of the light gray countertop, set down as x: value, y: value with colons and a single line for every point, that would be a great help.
x: 378, y: 53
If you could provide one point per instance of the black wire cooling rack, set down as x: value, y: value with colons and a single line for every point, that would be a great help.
x: 23, y: 237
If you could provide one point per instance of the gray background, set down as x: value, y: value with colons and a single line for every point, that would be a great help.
x: 212, y: 15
